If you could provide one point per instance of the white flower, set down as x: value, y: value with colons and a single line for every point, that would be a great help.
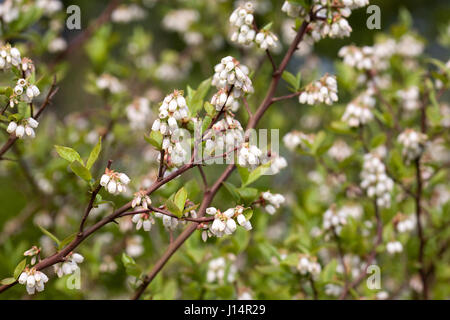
x: 143, y: 220
x: 141, y: 199
x: 406, y: 224
x: 25, y: 127
x: 340, y: 150
x: 413, y: 144
x: 321, y: 91
x: 359, y: 111
x: 128, y: 13
x: 110, y: 83
x: 138, y: 113
x: 375, y: 180
x: 394, y: 247
x: 273, y: 201
x: 249, y: 156
x: 33, y: 279
x: 296, y: 138
x: 114, y: 182
x: 334, y: 219
x: 69, y: 266
x: 309, y: 265
x: 241, y: 21
x: 409, y: 98
x: 217, y: 269
x: 230, y: 73
x: 266, y: 40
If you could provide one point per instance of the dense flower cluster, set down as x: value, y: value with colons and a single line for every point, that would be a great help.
x: 224, y: 136
x: 23, y: 127
x: 143, y: 220
x: 33, y: 279
x: 412, y: 143
x: 241, y: 21
x: 141, y: 199
x: 321, y: 91
x: 375, y: 180
x: 359, y: 111
x: 404, y: 223
x: 359, y: 58
x: 128, y: 13
x: 272, y: 201
x: 114, y: 182
x: 223, y: 100
x: 9, y: 57
x: 230, y: 73
x: 69, y: 266
x: 334, y: 219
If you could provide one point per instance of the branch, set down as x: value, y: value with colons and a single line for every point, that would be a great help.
x: 12, y: 138
x: 209, y: 196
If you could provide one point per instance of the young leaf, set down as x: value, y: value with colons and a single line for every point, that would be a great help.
x: 81, y: 171
x: 155, y: 139
x: 231, y: 188
x: 19, y: 268
x: 94, y: 154
x: 291, y: 79
x: 243, y: 173
x: 68, y: 154
x: 257, y: 173
x: 180, y: 199
x: 196, y: 103
x: 173, y: 208
x: 50, y: 235
x: 66, y: 241
x: 8, y: 281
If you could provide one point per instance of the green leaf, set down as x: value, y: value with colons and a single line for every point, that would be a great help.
x: 232, y: 190
x: 196, y: 103
x: 328, y: 271
x: 50, y: 235
x: 243, y: 173
x: 155, y: 139
x: 170, y: 204
x: 81, y: 171
x: 257, y: 173
x: 130, y: 265
x: 180, y: 199
x: 19, y: 268
x: 248, y: 195
x: 318, y: 140
x: 267, y: 26
x: 8, y: 281
x: 378, y: 140
x: 206, y: 122
x: 292, y: 80
x: 209, y: 108
x: 68, y: 154
x: 248, y: 213
x: 93, y: 156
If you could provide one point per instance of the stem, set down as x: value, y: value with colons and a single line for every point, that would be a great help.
x: 418, y: 197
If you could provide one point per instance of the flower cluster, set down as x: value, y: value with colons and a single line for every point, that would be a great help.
x: 375, y: 180
x: 24, y: 127
x: 272, y: 201
x: 409, y: 98
x: 241, y: 21
x: 141, y: 199
x: 359, y: 111
x: 413, y: 144
x: 394, y: 247
x: 224, y: 136
x: 23, y: 86
x: 309, y: 265
x: 143, y: 220
x: 334, y: 219
x: 249, y: 156
x: 138, y: 113
x: 9, y: 57
x: 359, y: 58
x: 128, y: 13
x: 172, y: 110
x: 340, y: 150
x: 230, y: 73
x: 69, y: 266
x: 294, y: 10
x: 217, y: 270
x: 110, y: 83
x: 114, y: 182
x: 33, y: 253
x: 266, y: 40
x: 33, y: 279
x: 404, y: 223
x: 223, y: 100
x: 277, y: 162
x: 224, y: 223
x: 296, y: 138
x: 323, y: 90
